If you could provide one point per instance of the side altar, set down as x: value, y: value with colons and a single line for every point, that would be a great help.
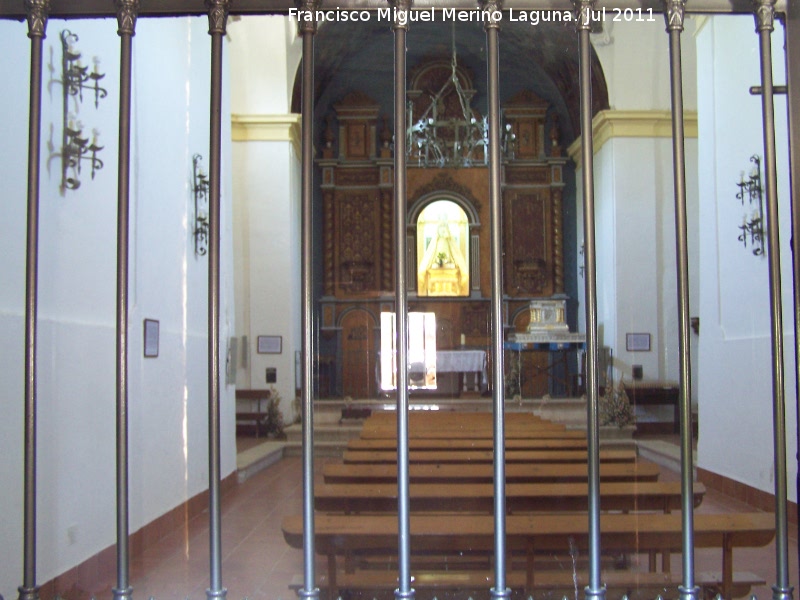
x: 548, y: 332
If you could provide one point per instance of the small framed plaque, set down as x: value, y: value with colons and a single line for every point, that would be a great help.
x: 637, y: 342
x: 151, y: 338
x: 270, y: 344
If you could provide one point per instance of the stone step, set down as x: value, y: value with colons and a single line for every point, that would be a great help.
x: 331, y: 433
x: 253, y: 460
x: 665, y: 454
x: 326, y: 449
x: 569, y: 411
x: 325, y: 432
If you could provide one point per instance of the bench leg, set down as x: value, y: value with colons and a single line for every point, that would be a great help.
x: 332, y: 586
x: 529, y: 570
x: 727, y: 566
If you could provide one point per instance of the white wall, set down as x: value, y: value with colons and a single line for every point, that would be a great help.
x: 735, y: 357
x: 259, y: 86
x: 77, y: 297
x: 635, y: 230
x: 634, y: 200
x: 267, y: 202
x: 639, y: 80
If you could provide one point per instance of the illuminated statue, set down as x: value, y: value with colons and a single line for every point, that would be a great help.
x: 443, y: 271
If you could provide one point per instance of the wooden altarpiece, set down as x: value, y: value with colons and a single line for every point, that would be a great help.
x: 356, y: 169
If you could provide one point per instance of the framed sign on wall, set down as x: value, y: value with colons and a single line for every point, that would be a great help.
x: 270, y: 344
x: 637, y: 342
x: 151, y: 327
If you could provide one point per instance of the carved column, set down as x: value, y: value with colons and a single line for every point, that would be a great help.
x: 328, y: 236
x: 387, y: 248
x: 558, y: 243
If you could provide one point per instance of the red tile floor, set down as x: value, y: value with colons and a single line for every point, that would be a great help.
x: 258, y: 565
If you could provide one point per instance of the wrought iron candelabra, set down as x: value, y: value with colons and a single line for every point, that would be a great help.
x: 457, y: 138
x: 200, y: 193
x: 76, y: 147
x: 76, y: 76
x: 751, y: 190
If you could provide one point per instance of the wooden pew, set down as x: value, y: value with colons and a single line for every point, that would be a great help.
x: 446, y: 416
x: 455, y: 445
x: 484, y: 433
x: 526, y: 535
x: 485, y: 456
x: 484, y: 473
x: 256, y: 413
x: 520, y: 497
x: 442, y: 424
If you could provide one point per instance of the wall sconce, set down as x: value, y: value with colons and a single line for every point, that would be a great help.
x: 750, y: 189
x: 75, y: 76
x: 75, y: 149
x: 200, y: 192
x: 75, y: 146
x: 582, y: 267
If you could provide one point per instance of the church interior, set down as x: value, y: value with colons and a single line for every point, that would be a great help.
x: 449, y: 281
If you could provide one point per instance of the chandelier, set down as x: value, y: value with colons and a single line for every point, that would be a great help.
x: 447, y: 136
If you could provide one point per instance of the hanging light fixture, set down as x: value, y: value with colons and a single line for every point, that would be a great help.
x: 434, y: 139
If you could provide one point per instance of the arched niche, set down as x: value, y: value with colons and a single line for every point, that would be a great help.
x: 447, y: 255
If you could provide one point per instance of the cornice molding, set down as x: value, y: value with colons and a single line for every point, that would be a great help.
x: 267, y: 128
x: 608, y: 124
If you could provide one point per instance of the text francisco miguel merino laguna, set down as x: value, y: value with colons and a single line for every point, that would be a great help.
x: 534, y: 17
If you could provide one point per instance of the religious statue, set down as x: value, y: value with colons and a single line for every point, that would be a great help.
x: 443, y: 270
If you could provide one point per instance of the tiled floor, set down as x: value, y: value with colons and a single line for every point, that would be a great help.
x: 257, y: 563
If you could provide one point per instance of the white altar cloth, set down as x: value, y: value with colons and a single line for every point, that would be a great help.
x: 461, y: 361
x: 455, y: 361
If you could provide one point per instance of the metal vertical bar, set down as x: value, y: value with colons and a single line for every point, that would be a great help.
x: 673, y: 15
x: 36, y: 11
x: 126, y: 21
x: 792, y: 44
x: 308, y: 29
x: 217, y: 20
x: 492, y: 18
x: 765, y: 14
x: 583, y: 8
x: 404, y: 589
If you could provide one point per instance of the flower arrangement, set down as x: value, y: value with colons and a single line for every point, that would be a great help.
x: 513, y: 380
x: 273, y: 424
x: 615, y: 408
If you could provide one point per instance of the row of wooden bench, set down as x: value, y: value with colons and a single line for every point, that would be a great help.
x: 452, y: 502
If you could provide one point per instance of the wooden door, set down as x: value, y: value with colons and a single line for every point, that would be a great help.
x: 359, y: 354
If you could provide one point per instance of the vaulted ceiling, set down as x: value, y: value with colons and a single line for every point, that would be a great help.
x: 541, y: 58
